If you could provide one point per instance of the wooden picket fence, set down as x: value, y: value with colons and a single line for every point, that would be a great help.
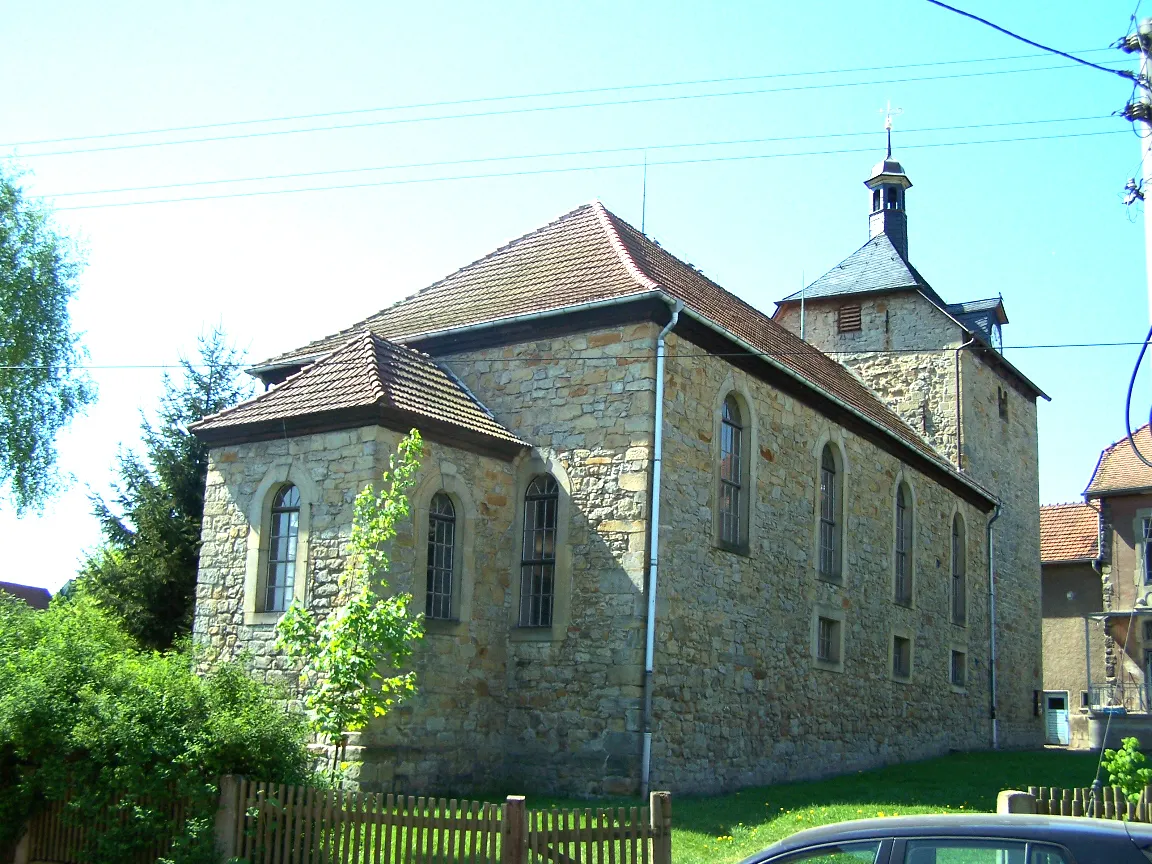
x: 267, y: 823
x: 271, y: 823
x: 1109, y: 803
x: 53, y: 838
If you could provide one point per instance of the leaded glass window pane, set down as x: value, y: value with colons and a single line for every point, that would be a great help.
x: 959, y: 567
x: 903, y: 547
x: 731, y: 468
x: 538, y: 552
x: 829, y: 553
x: 283, y: 531
x: 441, y: 557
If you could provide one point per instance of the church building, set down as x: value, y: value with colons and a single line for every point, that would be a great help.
x: 661, y: 539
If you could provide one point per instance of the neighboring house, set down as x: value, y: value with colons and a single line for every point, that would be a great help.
x: 37, y: 598
x: 814, y: 601
x: 1069, y: 555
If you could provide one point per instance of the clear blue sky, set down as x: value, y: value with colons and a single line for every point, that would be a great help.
x: 1040, y: 221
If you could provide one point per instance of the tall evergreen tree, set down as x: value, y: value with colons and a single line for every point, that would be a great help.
x: 145, y: 570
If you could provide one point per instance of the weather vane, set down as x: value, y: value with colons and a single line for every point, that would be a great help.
x: 889, y: 112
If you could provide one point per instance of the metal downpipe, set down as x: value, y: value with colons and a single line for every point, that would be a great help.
x: 654, y: 551
x: 992, y: 631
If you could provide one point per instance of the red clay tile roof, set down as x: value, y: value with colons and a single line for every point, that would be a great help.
x: 590, y: 255
x: 366, y: 372
x: 1069, y: 532
x: 1120, y: 469
x: 35, y: 597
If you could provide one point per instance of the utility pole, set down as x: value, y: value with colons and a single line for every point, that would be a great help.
x: 1140, y: 111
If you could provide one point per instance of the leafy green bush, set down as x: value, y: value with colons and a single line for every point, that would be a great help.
x: 84, y: 714
x: 1126, y: 768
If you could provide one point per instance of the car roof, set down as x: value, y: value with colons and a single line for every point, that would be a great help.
x: 1018, y: 826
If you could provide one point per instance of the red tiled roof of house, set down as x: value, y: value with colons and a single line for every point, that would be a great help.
x: 35, y: 597
x: 1069, y: 532
x: 367, y: 372
x: 1120, y: 469
x: 587, y: 256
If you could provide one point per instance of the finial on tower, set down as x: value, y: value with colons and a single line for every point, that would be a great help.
x: 889, y: 112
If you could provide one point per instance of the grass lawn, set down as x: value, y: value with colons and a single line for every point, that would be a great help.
x: 730, y: 827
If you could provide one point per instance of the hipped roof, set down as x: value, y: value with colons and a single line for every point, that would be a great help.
x: 1119, y: 469
x: 590, y: 256
x: 1069, y: 532
x: 368, y: 379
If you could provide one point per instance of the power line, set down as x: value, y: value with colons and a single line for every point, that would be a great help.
x: 1121, y: 72
x: 568, y: 170
x: 687, y: 355
x: 518, y: 96
x: 558, y: 154
x: 532, y: 110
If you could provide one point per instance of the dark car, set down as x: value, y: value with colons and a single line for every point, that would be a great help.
x: 966, y: 839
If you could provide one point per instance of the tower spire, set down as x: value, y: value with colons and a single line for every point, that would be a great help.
x: 887, y: 185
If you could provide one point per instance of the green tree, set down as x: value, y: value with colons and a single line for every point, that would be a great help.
x: 41, y: 388
x: 342, y: 655
x: 87, y: 717
x: 145, y: 570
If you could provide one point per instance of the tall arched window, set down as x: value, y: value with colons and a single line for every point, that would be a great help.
x: 283, y: 531
x: 441, y: 558
x: 903, y: 545
x: 830, y: 494
x: 538, y: 553
x: 959, y: 572
x: 731, y: 474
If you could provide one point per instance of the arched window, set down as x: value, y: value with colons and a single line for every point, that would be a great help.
x: 538, y: 552
x: 283, y: 530
x: 875, y: 199
x: 959, y: 572
x: 732, y: 457
x: 903, y: 545
x: 830, y: 495
x: 891, y: 198
x: 441, y: 558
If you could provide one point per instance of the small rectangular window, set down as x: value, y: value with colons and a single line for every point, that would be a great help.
x: 848, y: 318
x: 1002, y: 402
x: 959, y: 671
x: 901, y: 657
x: 828, y: 640
x: 1084, y: 699
x: 1148, y: 631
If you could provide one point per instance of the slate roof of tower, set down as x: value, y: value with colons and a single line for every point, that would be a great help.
x: 366, y: 372
x: 1069, y: 532
x: 875, y: 266
x: 589, y: 255
x: 1119, y: 469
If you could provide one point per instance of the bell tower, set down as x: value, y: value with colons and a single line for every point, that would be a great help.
x: 887, y: 185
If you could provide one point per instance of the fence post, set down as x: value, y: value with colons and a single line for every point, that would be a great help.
x: 21, y: 853
x: 515, y: 831
x: 1013, y: 801
x: 660, y: 816
x: 227, y: 815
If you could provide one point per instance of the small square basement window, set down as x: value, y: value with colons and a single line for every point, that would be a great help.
x: 848, y: 318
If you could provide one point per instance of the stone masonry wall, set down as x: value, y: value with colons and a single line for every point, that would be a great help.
x: 451, y: 731
x: 554, y: 709
x: 585, y: 402
x: 917, y: 379
x: 1002, y: 454
x: 739, y: 699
